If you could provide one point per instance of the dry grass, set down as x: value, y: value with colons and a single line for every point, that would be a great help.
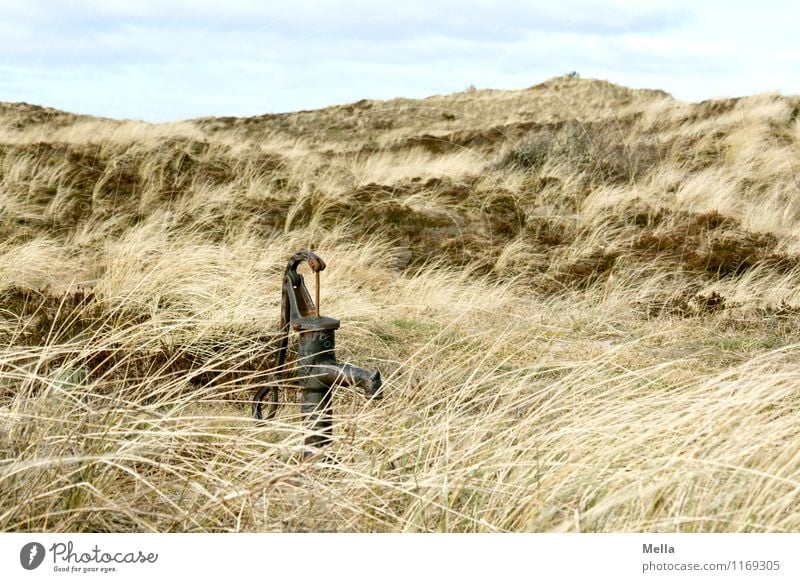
x: 583, y: 299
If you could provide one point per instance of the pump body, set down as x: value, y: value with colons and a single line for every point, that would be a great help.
x: 317, y: 368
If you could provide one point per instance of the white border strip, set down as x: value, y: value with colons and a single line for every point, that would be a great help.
x: 413, y: 557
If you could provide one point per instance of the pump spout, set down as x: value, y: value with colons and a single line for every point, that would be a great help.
x: 349, y: 375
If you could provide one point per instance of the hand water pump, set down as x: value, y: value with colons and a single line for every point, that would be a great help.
x: 317, y: 368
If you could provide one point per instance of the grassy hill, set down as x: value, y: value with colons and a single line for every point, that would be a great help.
x: 583, y: 299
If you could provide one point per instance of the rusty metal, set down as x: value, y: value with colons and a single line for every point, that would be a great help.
x: 317, y: 303
x: 317, y: 369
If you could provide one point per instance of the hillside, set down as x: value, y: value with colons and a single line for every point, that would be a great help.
x: 583, y: 298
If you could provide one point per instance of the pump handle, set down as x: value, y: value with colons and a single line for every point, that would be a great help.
x: 314, y: 261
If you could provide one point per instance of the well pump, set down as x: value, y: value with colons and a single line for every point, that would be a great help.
x: 317, y: 368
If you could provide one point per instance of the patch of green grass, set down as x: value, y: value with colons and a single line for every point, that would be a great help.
x: 416, y: 325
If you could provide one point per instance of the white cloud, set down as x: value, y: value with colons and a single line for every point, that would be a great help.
x: 170, y: 59
x: 357, y: 18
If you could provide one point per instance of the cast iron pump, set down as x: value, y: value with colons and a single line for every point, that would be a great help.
x: 318, y: 370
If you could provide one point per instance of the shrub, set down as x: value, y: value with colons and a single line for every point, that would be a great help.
x: 596, y: 150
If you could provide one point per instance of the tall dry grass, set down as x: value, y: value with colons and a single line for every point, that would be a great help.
x: 583, y: 300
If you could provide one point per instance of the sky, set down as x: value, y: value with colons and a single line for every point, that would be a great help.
x: 165, y: 60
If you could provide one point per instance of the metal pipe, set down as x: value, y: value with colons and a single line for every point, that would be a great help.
x: 316, y: 304
x: 349, y: 375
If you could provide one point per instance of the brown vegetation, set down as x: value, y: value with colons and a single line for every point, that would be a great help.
x: 584, y: 300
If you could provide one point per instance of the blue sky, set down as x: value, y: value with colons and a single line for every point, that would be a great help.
x: 175, y: 59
